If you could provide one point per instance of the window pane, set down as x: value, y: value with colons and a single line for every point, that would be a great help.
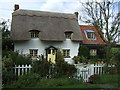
x: 93, y: 52
x: 66, y: 52
x: 91, y: 35
x: 33, y: 52
x: 34, y: 34
x: 68, y: 35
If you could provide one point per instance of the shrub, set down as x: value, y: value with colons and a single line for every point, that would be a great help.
x: 41, y: 67
x: 76, y: 59
x: 84, y: 52
x: 16, y: 58
x: 7, y: 63
x: 8, y: 77
x: 63, y: 68
x: 25, y: 81
x: 93, y: 78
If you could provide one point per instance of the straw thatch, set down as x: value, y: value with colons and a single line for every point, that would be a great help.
x: 52, y: 26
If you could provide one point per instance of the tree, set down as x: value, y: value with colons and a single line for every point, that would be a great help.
x: 7, y: 43
x: 102, y: 16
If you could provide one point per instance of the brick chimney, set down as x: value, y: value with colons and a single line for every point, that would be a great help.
x: 16, y: 7
x: 76, y: 13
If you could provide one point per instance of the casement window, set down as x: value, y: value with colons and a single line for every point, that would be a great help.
x: 93, y: 52
x: 68, y: 35
x: 34, y: 33
x: 66, y: 52
x: 90, y: 34
x: 33, y: 52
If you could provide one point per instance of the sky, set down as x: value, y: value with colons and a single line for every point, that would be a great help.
x: 63, y: 6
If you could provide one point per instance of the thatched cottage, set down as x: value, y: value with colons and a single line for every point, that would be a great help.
x: 42, y: 33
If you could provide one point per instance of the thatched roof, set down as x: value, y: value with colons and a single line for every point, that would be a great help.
x: 52, y: 26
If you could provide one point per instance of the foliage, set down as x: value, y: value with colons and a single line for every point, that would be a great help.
x: 97, y: 60
x: 112, y: 79
x: 76, y: 59
x: 56, y: 82
x: 84, y: 52
x: 8, y: 76
x: 16, y: 58
x: 63, y: 68
x: 25, y: 81
x: 7, y: 43
x: 41, y: 67
x: 49, y: 69
x: 93, y: 78
x: 116, y: 58
x: 7, y: 63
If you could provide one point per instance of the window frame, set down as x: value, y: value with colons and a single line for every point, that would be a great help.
x: 34, y: 53
x: 93, y: 52
x: 90, y: 32
x: 66, y: 53
x: 34, y: 34
x: 68, y: 35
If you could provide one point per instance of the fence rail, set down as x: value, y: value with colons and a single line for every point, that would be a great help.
x: 83, y: 71
x: 22, y: 69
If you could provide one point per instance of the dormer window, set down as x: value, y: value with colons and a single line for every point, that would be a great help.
x: 68, y: 35
x: 90, y: 34
x: 34, y: 33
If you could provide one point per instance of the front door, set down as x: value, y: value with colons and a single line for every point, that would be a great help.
x: 51, y: 54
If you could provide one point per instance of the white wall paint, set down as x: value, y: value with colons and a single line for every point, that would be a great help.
x: 24, y: 46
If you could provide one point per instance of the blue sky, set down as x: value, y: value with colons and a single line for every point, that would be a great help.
x: 64, y: 6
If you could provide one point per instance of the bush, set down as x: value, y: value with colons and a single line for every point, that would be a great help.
x: 25, y: 81
x: 7, y: 63
x: 84, y: 52
x: 16, y: 58
x: 41, y: 67
x: 94, y: 79
x: 8, y: 77
x: 63, y: 68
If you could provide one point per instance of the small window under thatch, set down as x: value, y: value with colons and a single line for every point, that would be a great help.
x: 68, y: 35
x: 34, y: 33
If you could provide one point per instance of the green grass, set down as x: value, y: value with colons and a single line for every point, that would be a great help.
x: 79, y: 86
x: 53, y: 83
x: 113, y: 80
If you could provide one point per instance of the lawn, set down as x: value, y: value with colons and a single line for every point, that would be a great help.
x: 113, y: 80
x: 51, y: 83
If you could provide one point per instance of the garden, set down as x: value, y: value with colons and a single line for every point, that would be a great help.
x: 44, y: 74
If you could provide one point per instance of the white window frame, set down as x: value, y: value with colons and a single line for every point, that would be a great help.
x: 92, y: 32
x: 32, y: 52
x: 93, y: 52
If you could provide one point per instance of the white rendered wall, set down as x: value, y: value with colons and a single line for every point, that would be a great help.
x: 24, y: 46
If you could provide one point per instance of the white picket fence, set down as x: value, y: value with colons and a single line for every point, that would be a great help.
x: 22, y: 69
x: 85, y: 71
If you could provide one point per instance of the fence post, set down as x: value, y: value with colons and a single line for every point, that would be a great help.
x: 23, y: 69
x: 18, y: 70
x: 15, y: 70
x: 29, y: 68
x: 26, y: 69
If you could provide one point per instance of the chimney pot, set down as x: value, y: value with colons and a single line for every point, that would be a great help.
x: 76, y: 13
x: 16, y: 7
